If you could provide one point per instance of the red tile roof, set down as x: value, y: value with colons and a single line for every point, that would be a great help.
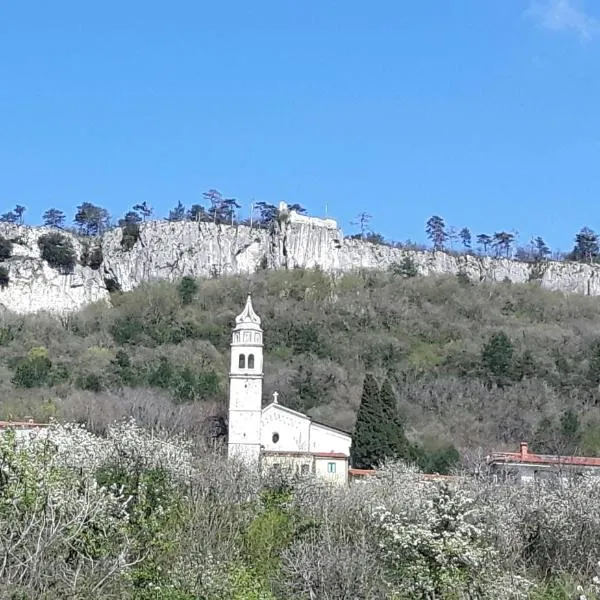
x: 361, y: 472
x: 526, y: 457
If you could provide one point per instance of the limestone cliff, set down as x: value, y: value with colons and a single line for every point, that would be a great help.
x: 168, y: 250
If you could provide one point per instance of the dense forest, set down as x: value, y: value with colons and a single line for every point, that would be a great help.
x: 471, y: 367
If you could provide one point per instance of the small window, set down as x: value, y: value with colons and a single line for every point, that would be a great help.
x: 251, y: 361
x: 331, y: 467
x: 242, y: 362
x: 277, y: 467
x: 305, y: 469
x: 275, y: 437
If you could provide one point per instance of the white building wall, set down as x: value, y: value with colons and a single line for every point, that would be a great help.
x: 324, y: 466
x: 292, y: 431
x: 323, y: 439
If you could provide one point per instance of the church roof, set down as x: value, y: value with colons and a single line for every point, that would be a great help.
x: 248, y: 316
x: 302, y: 415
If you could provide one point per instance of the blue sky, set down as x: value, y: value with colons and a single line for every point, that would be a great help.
x: 485, y: 112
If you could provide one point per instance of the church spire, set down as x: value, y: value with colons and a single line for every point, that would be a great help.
x: 248, y: 316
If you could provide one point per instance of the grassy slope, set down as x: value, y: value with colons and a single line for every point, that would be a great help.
x: 321, y: 334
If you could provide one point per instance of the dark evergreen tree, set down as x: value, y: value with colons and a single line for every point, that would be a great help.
x: 91, y: 219
x: 130, y: 224
x: 297, y: 208
x: 187, y: 289
x: 396, y: 445
x: 368, y: 443
x: 406, y: 268
x: 484, y: 241
x: 436, y: 232
x: 497, y: 357
x: 143, y: 209
x: 586, y: 246
x: 197, y: 212
x: 542, y: 251
x: 378, y: 433
x: 267, y: 212
x: 465, y: 238
x: 227, y: 211
x: 9, y: 217
x: 54, y: 218
x: 19, y: 212
x: 178, y: 213
x: 503, y: 243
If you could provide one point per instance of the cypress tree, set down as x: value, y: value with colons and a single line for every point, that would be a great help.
x: 378, y: 433
x: 367, y: 441
x: 396, y: 444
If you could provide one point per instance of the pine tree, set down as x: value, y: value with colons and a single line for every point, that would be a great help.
x: 177, y: 214
x: 436, y: 232
x: 465, y: 237
x: 484, y: 240
x: 54, y: 218
x: 586, y: 247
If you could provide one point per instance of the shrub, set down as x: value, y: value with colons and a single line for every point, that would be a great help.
x: 4, y: 277
x: 92, y: 257
x: 187, y: 289
x: 407, y: 268
x: 130, y: 232
x: 57, y: 250
x: 6, y: 247
x: 33, y: 370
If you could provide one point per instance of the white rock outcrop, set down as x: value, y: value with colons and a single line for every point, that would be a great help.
x: 171, y: 250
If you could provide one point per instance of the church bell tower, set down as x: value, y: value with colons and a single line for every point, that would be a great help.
x: 245, y: 387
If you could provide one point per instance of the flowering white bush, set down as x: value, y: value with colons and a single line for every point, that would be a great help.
x: 56, y: 526
x: 443, y: 551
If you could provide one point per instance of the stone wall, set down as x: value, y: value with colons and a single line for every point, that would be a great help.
x: 170, y: 251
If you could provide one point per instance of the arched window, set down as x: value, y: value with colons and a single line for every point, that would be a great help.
x: 251, y: 361
x: 242, y: 362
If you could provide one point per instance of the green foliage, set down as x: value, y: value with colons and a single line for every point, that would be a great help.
x: 406, y: 268
x: 91, y: 220
x: 185, y: 383
x: 91, y: 255
x: 187, y: 289
x: 378, y: 433
x: 6, y: 248
x: 497, y: 356
x: 322, y: 334
x: 439, y: 460
x: 4, y: 277
x: 34, y: 370
x: 57, y: 250
x: 130, y: 234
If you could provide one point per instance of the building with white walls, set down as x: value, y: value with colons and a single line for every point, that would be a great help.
x: 275, y: 437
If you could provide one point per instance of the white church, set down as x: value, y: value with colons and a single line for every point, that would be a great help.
x: 275, y: 437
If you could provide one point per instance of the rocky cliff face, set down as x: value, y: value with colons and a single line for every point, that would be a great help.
x: 172, y: 250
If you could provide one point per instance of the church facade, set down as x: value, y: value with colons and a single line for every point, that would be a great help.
x: 275, y: 437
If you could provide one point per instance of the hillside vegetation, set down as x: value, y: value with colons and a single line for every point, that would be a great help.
x: 477, y: 366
